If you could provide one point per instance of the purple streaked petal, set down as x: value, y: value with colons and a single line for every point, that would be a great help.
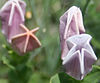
x: 72, y: 67
x: 79, y: 44
x: 88, y: 61
x: 26, y: 41
x: 13, y: 18
x: 71, y: 23
x: 19, y: 44
x: 81, y: 39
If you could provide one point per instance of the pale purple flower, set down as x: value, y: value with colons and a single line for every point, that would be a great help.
x: 76, y: 52
x: 71, y: 23
x: 12, y: 15
x: 78, y: 62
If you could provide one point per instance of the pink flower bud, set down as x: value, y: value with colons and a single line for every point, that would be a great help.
x: 12, y: 15
x: 71, y: 23
x: 26, y: 41
x: 77, y: 54
x: 78, y: 62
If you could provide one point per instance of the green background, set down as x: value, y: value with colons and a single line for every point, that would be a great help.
x: 43, y: 65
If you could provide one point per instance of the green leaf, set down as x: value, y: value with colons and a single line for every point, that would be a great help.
x: 55, y: 79
x: 6, y: 62
x: 63, y: 78
x: 93, y: 76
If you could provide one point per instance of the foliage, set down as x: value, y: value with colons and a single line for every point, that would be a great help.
x: 90, y: 78
x: 41, y: 64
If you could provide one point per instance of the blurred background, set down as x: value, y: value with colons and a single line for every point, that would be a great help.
x: 43, y: 65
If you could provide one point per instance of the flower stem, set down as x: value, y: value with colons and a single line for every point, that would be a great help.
x: 85, y: 7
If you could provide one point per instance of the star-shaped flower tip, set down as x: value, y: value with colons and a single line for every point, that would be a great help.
x: 78, y: 62
x: 26, y: 41
x: 71, y: 23
x: 12, y: 15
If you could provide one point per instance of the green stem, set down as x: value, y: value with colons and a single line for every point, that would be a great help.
x: 85, y: 7
x: 33, y: 9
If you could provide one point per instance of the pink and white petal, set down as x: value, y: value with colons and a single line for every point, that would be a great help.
x: 19, y: 44
x: 80, y: 40
x: 15, y: 29
x: 90, y: 50
x: 64, y: 50
x: 70, y: 54
x: 88, y: 61
x: 32, y: 44
x: 5, y: 18
x: 63, y: 21
x: 21, y: 13
x: 5, y: 6
x: 15, y: 20
x: 72, y: 67
x: 69, y: 27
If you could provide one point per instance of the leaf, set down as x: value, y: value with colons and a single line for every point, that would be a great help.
x: 55, y: 79
x: 6, y: 61
x: 94, y: 76
x: 63, y: 78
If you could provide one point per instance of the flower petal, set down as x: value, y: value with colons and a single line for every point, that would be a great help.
x: 88, y: 61
x: 71, y: 23
x: 11, y: 19
x: 19, y: 44
x: 72, y: 67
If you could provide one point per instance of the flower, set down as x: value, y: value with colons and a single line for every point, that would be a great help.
x: 76, y: 53
x: 25, y: 41
x: 28, y: 15
x: 12, y: 15
x: 71, y: 23
x: 78, y: 62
